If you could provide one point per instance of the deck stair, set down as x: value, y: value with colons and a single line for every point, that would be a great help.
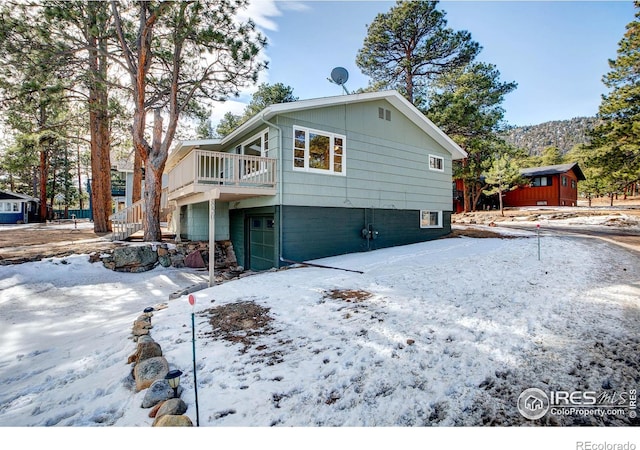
x: 128, y: 221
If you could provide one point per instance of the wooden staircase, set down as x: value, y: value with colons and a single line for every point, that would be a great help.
x: 128, y: 221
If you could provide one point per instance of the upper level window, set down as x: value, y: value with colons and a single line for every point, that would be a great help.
x: 564, y: 180
x: 436, y: 163
x: 541, y: 181
x: 573, y: 184
x: 257, y: 146
x: 318, y: 151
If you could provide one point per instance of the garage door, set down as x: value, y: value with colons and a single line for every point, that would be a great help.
x: 261, y: 242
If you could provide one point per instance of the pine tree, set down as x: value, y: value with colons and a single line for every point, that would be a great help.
x: 503, y: 176
x: 616, y: 140
x: 266, y: 95
x: 410, y: 46
x: 177, y: 55
x: 466, y: 105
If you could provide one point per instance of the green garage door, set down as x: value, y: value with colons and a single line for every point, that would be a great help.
x: 261, y: 243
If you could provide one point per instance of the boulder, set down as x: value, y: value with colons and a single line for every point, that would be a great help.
x: 194, y: 260
x: 172, y: 407
x: 150, y: 370
x: 138, y: 330
x: 164, y: 260
x: 146, y: 349
x: 132, y: 259
x: 172, y: 421
x: 154, y: 410
x: 159, y: 391
x: 177, y: 261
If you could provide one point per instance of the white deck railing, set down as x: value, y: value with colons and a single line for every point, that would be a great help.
x: 201, y: 167
x: 129, y: 220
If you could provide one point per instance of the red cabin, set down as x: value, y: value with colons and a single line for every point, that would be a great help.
x: 548, y: 186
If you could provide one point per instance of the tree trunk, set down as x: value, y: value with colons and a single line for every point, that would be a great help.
x: 99, y: 121
x: 80, y: 200
x: 152, y: 196
x: 500, y: 200
x: 42, y: 184
x: 137, y: 177
x: 154, y: 167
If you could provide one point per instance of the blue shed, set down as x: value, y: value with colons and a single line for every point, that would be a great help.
x: 17, y: 208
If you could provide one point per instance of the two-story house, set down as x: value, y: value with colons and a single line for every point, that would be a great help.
x: 316, y: 178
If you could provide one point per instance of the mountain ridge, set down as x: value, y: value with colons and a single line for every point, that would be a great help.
x: 563, y: 134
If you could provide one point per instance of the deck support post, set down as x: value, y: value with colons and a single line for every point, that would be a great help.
x: 212, y: 241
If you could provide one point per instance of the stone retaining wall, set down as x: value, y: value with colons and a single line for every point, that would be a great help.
x: 194, y: 254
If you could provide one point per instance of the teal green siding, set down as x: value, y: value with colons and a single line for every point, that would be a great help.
x: 194, y: 221
x: 312, y: 233
x: 387, y: 162
x: 240, y: 234
x: 386, y: 182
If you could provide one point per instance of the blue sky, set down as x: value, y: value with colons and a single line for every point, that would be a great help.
x: 556, y: 51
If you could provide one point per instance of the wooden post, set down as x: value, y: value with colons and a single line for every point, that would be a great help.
x: 212, y: 241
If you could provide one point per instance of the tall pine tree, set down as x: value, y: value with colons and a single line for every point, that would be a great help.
x: 410, y: 46
x: 616, y: 140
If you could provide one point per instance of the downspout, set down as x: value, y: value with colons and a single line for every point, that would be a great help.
x: 280, y: 170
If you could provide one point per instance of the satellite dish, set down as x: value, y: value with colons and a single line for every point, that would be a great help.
x: 339, y: 75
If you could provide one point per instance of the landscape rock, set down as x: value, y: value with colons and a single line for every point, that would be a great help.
x: 172, y: 407
x: 148, y: 371
x: 164, y: 260
x: 159, y: 391
x: 132, y: 259
x: 172, y: 421
x: 194, y: 260
x: 154, y: 410
x: 146, y: 349
x: 140, y: 329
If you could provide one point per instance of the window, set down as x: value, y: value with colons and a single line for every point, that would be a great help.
x: 9, y: 207
x: 436, y: 163
x: 430, y: 219
x: 573, y: 184
x: 564, y: 180
x: 384, y: 114
x: 541, y: 181
x: 318, y: 151
x: 257, y: 146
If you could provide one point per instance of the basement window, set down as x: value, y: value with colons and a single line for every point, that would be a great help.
x: 430, y: 219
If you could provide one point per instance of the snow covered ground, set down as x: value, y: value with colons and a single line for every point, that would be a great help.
x: 449, y: 334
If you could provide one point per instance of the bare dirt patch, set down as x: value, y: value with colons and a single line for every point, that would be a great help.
x: 240, y: 322
x: 348, y: 295
x: 476, y: 233
x: 49, y: 240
